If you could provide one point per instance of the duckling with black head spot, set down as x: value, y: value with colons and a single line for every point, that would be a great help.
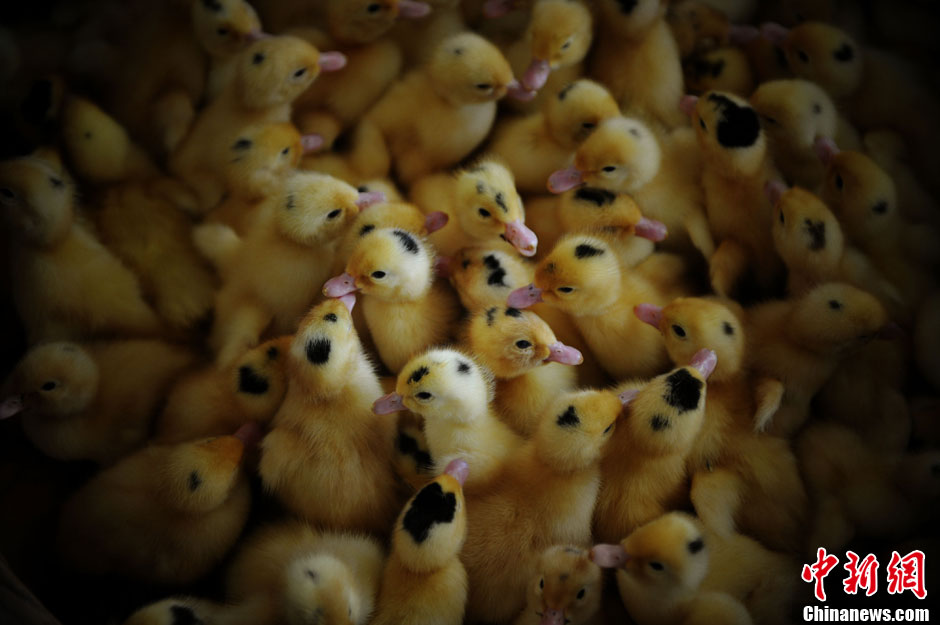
x: 224, y: 28
x: 328, y: 458
x: 181, y: 509
x: 424, y: 582
x: 566, y: 589
x: 529, y: 364
x: 405, y: 310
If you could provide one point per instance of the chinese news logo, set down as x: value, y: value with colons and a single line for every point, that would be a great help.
x: 903, y: 573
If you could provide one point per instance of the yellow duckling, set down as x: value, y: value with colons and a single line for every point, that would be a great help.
x: 417, y: 38
x: 697, y: 26
x: 223, y: 28
x: 566, y: 589
x: 723, y: 69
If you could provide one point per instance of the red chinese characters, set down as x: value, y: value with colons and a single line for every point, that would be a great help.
x: 907, y: 573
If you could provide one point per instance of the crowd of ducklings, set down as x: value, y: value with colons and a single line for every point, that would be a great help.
x: 277, y: 257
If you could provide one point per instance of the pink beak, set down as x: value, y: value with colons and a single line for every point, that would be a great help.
x: 649, y: 313
x: 332, y: 61
x: 564, y: 179
x: 250, y: 434
x: 349, y: 301
x: 343, y: 284
x: 458, y: 469
x: 521, y: 238
x: 773, y: 189
x: 411, y: 10
x: 825, y: 149
x: 742, y: 34
x: 552, y: 617
x: 705, y: 360
x: 536, y: 75
x: 774, y: 33
x: 368, y: 198
x: 518, y: 91
x: 609, y: 556
x: 496, y: 8
x: 435, y: 220
x: 443, y: 266
x: 387, y: 404
x: 651, y: 229
x: 687, y: 104
x: 256, y: 35
x: 11, y: 406
x: 627, y: 396
x: 561, y: 353
x: 524, y: 296
x: 311, y: 143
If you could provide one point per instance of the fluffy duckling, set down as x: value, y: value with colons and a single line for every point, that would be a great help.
x: 93, y: 401
x: 454, y: 396
x: 582, y: 277
x: 65, y: 283
x: 736, y: 166
x: 566, y: 589
x: 302, y: 574
x: 405, y: 310
x: 224, y: 28
x: 644, y: 469
x: 213, y: 401
x: 528, y: 363
x: 424, y: 581
x: 697, y: 26
x: 633, y: 43
x: 457, y: 89
x: 194, y: 610
x: 725, y: 69
x: 801, y: 341
x: 299, y: 231
x: 269, y: 75
x: 333, y: 475
x: 483, y: 207
x: 536, y: 145
x: 181, y: 509
x: 417, y: 38
x: 543, y: 496
x: 660, y: 569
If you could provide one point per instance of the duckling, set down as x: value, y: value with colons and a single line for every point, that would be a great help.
x: 194, y: 610
x: 723, y: 69
x: 213, y: 400
x: 182, y: 506
x: 458, y: 88
x: 697, y: 26
x: 339, y: 477
x: 417, y: 38
x: 223, y: 28
x: 634, y: 42
x: 483, y: 206
x: 92, y: 401
x: 660, y: 569
x: 454, y: 396
x: 299, y: 231
x: 644, y: 470
x: 801, y: 341
x: 890, y: 151
x: 566, y: 589
x: 543, y: 496
x: 736, y: 166
x: 424, y: 580
x: 65, y: 283
x: 536, y: 145
x: 582, y: 277
x: 301, y: 574
x: 528, y: 363
x: 269, y: 75
x: 405, y: 310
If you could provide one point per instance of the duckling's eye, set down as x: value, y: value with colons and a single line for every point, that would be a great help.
x: 285, y: 151
x: 817, y: 108
x: 48, y: 386
x: 770, y: 120
x: 483, y: 86
x: 607, y: 429
x: 701, y: 122
x: 839, y: 182
x: 542, y: 583
x: 565, y: 289
x: 483, y: 212
x: 835, y: 304
x: 781, y: 217
x: 222, y: 32
x: 880, y: 208
x: 803, y: 56
x: 523, y: 344
x: 581, y: 592
x: 566, y: 45
x: 333, y: 214
x: 257, y: 59
x: 331, y: 317
x: 300, y: 72
x: 378, y: 275
x: 678, y: 331
x: 588, y: 125
x: 56, y: 182
x: 194, y: 481
x: 373, y: 8
x: 423, y: 395
x: 656, y: 566
x: 609, y: 168
x: 7, y: 194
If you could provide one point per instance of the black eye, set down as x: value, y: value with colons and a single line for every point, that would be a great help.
x: 484, y: 86
x: 566, y: 45
x: 222, y: 31
x: 483, y: 212
x: 581, y: 593
x: 542, y: 583
x: 701, y: 122
x: 781, y: 217
x: 565, y: 289
x: 656, y: 566
x: 803, y: 56
x: 609, y: 168
x: 423, y: 395
x: 373, y: 8
x: 588, y: 125
x: 880, y: 208
x: 285, y: 151
x: 331, y: 317
x: 48, y: 386
x: 607, y: 429
x: 56, y: 182
x: 300, y: 72
x: 257, y: 59
x: 194, y: 481
x: 523, y: 344
x: 817, y: 108
x: 770, y: 120
x: 378, y: 275
x: 242, y: 144
x: 835, y: 304
x: 333, y: 214
x: 7, y: 193
x: 678, y: 331
x: 839, y: 182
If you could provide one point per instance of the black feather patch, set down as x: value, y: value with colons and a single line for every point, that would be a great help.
x: 489, y: 316
x: 586, y: 251
x: 417, y: 374
x: 290, y: 201
x: 257, y: 59
x: 431, y: 505
x: 598, y: 197
x: 817, y: 235
x: 331, y: 317
x: 463, y: 367
x: 491, y: 262
x: 366, y: 229
x: 194, y: 481
x: 183, y: 615
x: 501, y: 202
x: 564, y: 92
x: 701, y: 67
x: 696, y: 545
x: 513, y: 312
x: 272, y: 353
x: 408, y: 446
x: 496, y: 278
x: 739, y: 126
x: 683, y: 390
x: 880, y: 208
x: 659, y: 423
x: 318, y: 351
x: 845, y: 54
x: 627, y: 6
x: 480, y: 188
x: 250, y: 382
x: 407, y: 241
x: 569, y: 418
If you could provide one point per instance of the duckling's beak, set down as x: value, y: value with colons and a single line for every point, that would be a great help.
x: 343, y: 284
x: 368, y: 198
x: 628, y: 396
x: 536, y: 75
x: 387, y: 404
x: 409, y: 9
x: 497, y: 8
x: 311, y: 142
x: 825, y: 149
x: 249, y: 434
x: 649, y: 313
x: 11, y: 406
x: 650, y: 229
x: 774, y: 33
x: 705, y: 361
x: 458, y: 469
x: 564, y: 179
x: 687, y: 104
x: 564, y: 354
x: 443, y: 266
x: 521, y: 237
x: 609, y: 556
x: 774, y: 189
x: 552, y: 617
x: 332, y: 61
x: 742, y: 34
x: 517, y: 91
x: 524, y: 296
x: 349, y: 301
x: 435, y: 220
x: 256, y: 35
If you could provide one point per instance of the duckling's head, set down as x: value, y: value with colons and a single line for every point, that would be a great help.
x: 574, y: 429
x: 198, y: 476
x: 567, y: 588
x: 326, y: 346
x: 728, y: 130
x: 172, y: 612
x: 579, y: 276
x: 98, y: 146
x: 364, y: 21
x: 806, y: 233
x: 689, y: 324
x: 443, y: 384
x: 666, y: 414
x: 622, y: 155
x: 488, y: 206
x: 511, y: 342
x: 697, y: 27
x: 388, y: 263
x: 795, y: 113
x: 575, y: 112
x: 835, y: 317
x: 466, y: 68
x: 37, y: 198
x: 52, y: 380
x: 484, y: 278
x: 275, y: 70
x: 431, y: 529
x: 722, y: 69
x: 261, y: 156
x: 629, y: 18
x: 561, y: 32
x: 316, y: 207
x: 863, y: 196
x: 320, y: 588
x: 822, y: 54
x: 260, y: 379
x: 224, y: 27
